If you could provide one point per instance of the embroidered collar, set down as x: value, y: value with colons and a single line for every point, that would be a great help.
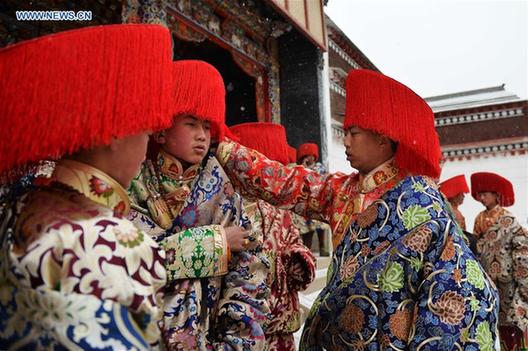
x: 94, y: 184
x: 172, y: 168
x: 378, y: 176
x: 494, y: 213
x: 494, y: 210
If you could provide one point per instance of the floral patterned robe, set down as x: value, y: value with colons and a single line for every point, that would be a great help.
x: 74, y: 274
x: 459, y: 217
x: 503, y: 248
x: 292, y: 270
x: 308, y: 226
x: 210, y: 302
x: 401, y: 278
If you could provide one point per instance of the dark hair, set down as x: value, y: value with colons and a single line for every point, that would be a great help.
x: 394, y: 145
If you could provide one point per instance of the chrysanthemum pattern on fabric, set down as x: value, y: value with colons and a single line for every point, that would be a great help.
x: 72, y: 274
x: 407, y: 294
x: 405, y: 261
x: 208, y: 303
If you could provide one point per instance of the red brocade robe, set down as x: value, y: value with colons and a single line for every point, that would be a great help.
x: 292, y: 270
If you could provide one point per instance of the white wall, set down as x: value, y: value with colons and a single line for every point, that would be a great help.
x: 336, y: 156
x: 512, y: 167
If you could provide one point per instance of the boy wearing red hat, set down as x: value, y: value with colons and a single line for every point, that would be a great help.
x: 402, y: 277
x: 308, y: 156
x: 216, y: 293
x: 74, y: 273
x: 503, y: 247
x: 292, y: 153
x: 454, y: 189
x: 293, y: 264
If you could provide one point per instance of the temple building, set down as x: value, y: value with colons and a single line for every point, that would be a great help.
x: 268, y: 52
x: 485, y: 130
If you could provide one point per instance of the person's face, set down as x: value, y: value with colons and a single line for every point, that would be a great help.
x: 458, y: 199
x: 131, y: 152
x: 365, y: 150
x: 307, y: 161
x: 488, y: 199
x: 188, y: 139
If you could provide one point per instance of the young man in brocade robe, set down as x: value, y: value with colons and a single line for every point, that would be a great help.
x: 308, y: 156
x: 454, y: 189
x: 215, y: 297
x: 401, y: 276
x: 292, y: 263
x: 502, y: 244
x: 74, y: 273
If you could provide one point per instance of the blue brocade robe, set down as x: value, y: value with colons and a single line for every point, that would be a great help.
x: 403, y: 278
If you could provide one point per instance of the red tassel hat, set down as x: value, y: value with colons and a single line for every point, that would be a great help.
x: 486, y: 181
x: 383, y: 105
x: 292, y: 153
x: 454, y: 186
x: 200, y: 92
x: 78, y: 89
x: 308, y: 149
x: 267, y: 138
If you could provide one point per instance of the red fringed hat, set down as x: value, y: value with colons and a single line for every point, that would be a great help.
x: 292, y: 153
x: 200, y: 92
x: 78, y: 89
x: 454, y: 186
x: 267, y: 138
x: 308, y: 149
x: 385, y: 106
x: 485, y: 181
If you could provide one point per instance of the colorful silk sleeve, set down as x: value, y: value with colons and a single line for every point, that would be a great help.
x: 299, y: 261
x: 196, y: 253
x: 299, y: 189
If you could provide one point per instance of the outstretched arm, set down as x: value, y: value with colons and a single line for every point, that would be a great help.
x: 295, y: 188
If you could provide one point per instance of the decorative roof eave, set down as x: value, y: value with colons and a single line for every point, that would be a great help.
x: 343, y: 54
x: 486, y: 115
x: 484, y: 108
x: 498, y: 88
x: 512, y: 146
x: 337, y: 88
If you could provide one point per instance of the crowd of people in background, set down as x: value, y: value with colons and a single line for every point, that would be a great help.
x: 160, y: 227
x: 500, y: 243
